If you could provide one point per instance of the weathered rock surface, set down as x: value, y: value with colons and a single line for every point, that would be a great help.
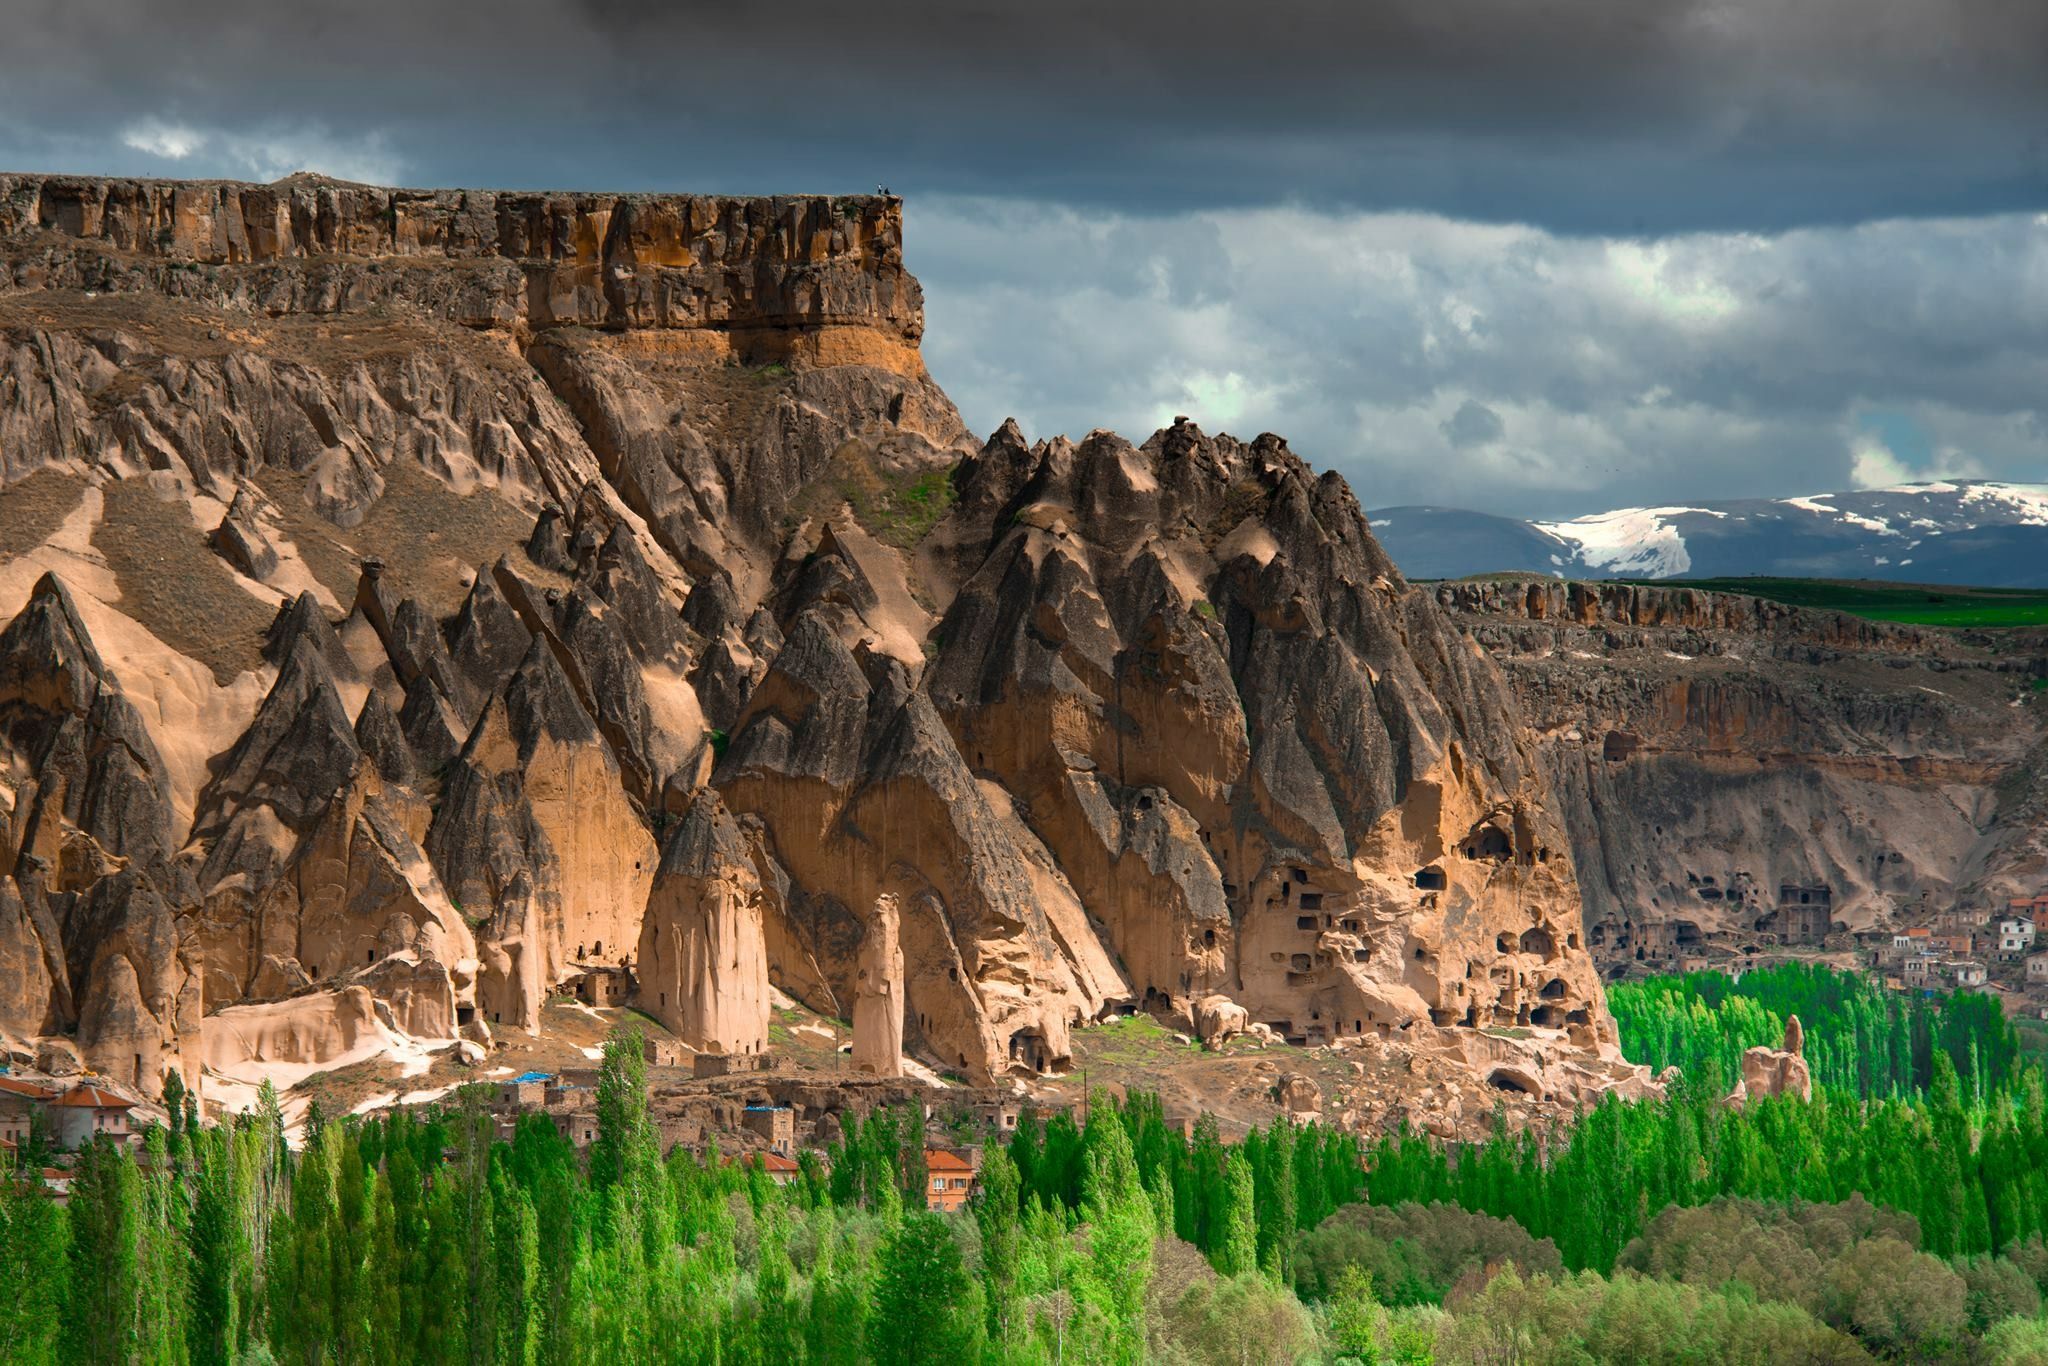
x: 584, y: 584
x: 703, y: 960
x: 1768, y: 1072
x: 1740, y: 774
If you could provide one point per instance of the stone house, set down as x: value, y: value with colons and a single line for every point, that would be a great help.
x: 2037, y: 968
x: 731, y: 1064
x: 527, y: 1091
x: 85, y: 1112
x: 19, y: 1101
x: 664, y: 1052
x: 578, y: 1126
x: 774, y: 1123
x: 1966, y: 973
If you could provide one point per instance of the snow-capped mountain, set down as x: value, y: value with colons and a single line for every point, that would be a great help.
x: 1961, y: 531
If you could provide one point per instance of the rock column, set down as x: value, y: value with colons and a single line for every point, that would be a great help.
x: 878, y: 1009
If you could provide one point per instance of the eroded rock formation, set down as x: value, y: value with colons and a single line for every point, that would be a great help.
x: 423, y: 600
x: 1741, y: 775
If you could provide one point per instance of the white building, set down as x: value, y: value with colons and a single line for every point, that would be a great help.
x: 2015, y: 936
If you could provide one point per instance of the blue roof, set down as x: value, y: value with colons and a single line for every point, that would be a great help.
x: 767, y: 1107
x: 534, y: 1076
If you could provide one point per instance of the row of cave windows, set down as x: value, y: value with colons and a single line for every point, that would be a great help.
x: 1543, y: 1017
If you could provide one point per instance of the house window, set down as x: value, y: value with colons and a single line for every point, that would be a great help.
x: 938, y: 1183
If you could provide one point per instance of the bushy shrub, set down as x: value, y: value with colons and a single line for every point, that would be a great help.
x: 1415, y: 1253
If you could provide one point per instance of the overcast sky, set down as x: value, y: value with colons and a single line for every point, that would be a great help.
x: 1529, y: 256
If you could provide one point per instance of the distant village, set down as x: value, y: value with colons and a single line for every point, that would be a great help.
x: 747, y: 1106
x: 1934, y: 952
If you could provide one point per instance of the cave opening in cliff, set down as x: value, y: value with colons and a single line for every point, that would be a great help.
x: 1503, y: 1080
x: 1027, y: 1049
x: 1490, y: 842
x: 1537, y: 940
x: 1547, y: 1017
x: 1431, y: 879
x: 1553, y: 990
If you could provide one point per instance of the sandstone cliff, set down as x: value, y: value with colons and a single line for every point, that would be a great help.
x: 424, y: 601
x: 1742, y: 774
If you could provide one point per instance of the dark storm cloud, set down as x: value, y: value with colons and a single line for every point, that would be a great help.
x: 1533, y: 256
x: 1589, y: 115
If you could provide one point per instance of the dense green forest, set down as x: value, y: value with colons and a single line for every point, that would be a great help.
x: 1906, y: 1225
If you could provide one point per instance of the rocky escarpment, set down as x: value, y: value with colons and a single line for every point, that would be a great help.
x: 1742, y: 773
x: 424, y: 602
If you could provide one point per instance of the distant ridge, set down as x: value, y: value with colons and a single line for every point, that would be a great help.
x: 1950, y: 531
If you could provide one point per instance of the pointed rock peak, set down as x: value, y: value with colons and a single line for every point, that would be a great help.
x: 416, y: 650
x: 47, y: 656
x: 621, y: 554
x: 383, y: 740
x: 301, y: 619
x: 763, y: 635
x: 540, y: 701
x: 1007, y: 440
x: 817, y: 658
x: 374, y: 596
x: 487, y: 639
x: 426, y: 720
x: 548, y: 546
x: 303, y: 676
x: 712, y: 606
x: 240, y: 539
x: 491, y: 747
x: 705, y: 842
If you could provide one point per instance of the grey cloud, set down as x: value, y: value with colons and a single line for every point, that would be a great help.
x: 1474, y: 424
x: 1509, y: 368
x: 1582, y: 115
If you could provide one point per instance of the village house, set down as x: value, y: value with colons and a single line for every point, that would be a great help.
x: 1960, y: 944
x: 2037, y: 968
x: 951, y: 1179
x: 577, y: 1126
x: 1919, y: 970
x: 1965, y: 973
x: 19, y: 1101
x: 2015, y: 936
x: 775, y: 1123
x: 85, y: 1112
x: 1907, y: 943
x: 664, y: 1052
x: 731, y: 1064
x: 527, y: 1091
x: 780, y: 1169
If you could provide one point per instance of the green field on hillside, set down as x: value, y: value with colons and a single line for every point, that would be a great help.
x: 1921, y: 604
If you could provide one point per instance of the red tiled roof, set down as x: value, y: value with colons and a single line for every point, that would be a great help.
x: 776, y: 1162
x: 16, y: 1086
x: 939, y: 1160
x: 93, y: 1097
